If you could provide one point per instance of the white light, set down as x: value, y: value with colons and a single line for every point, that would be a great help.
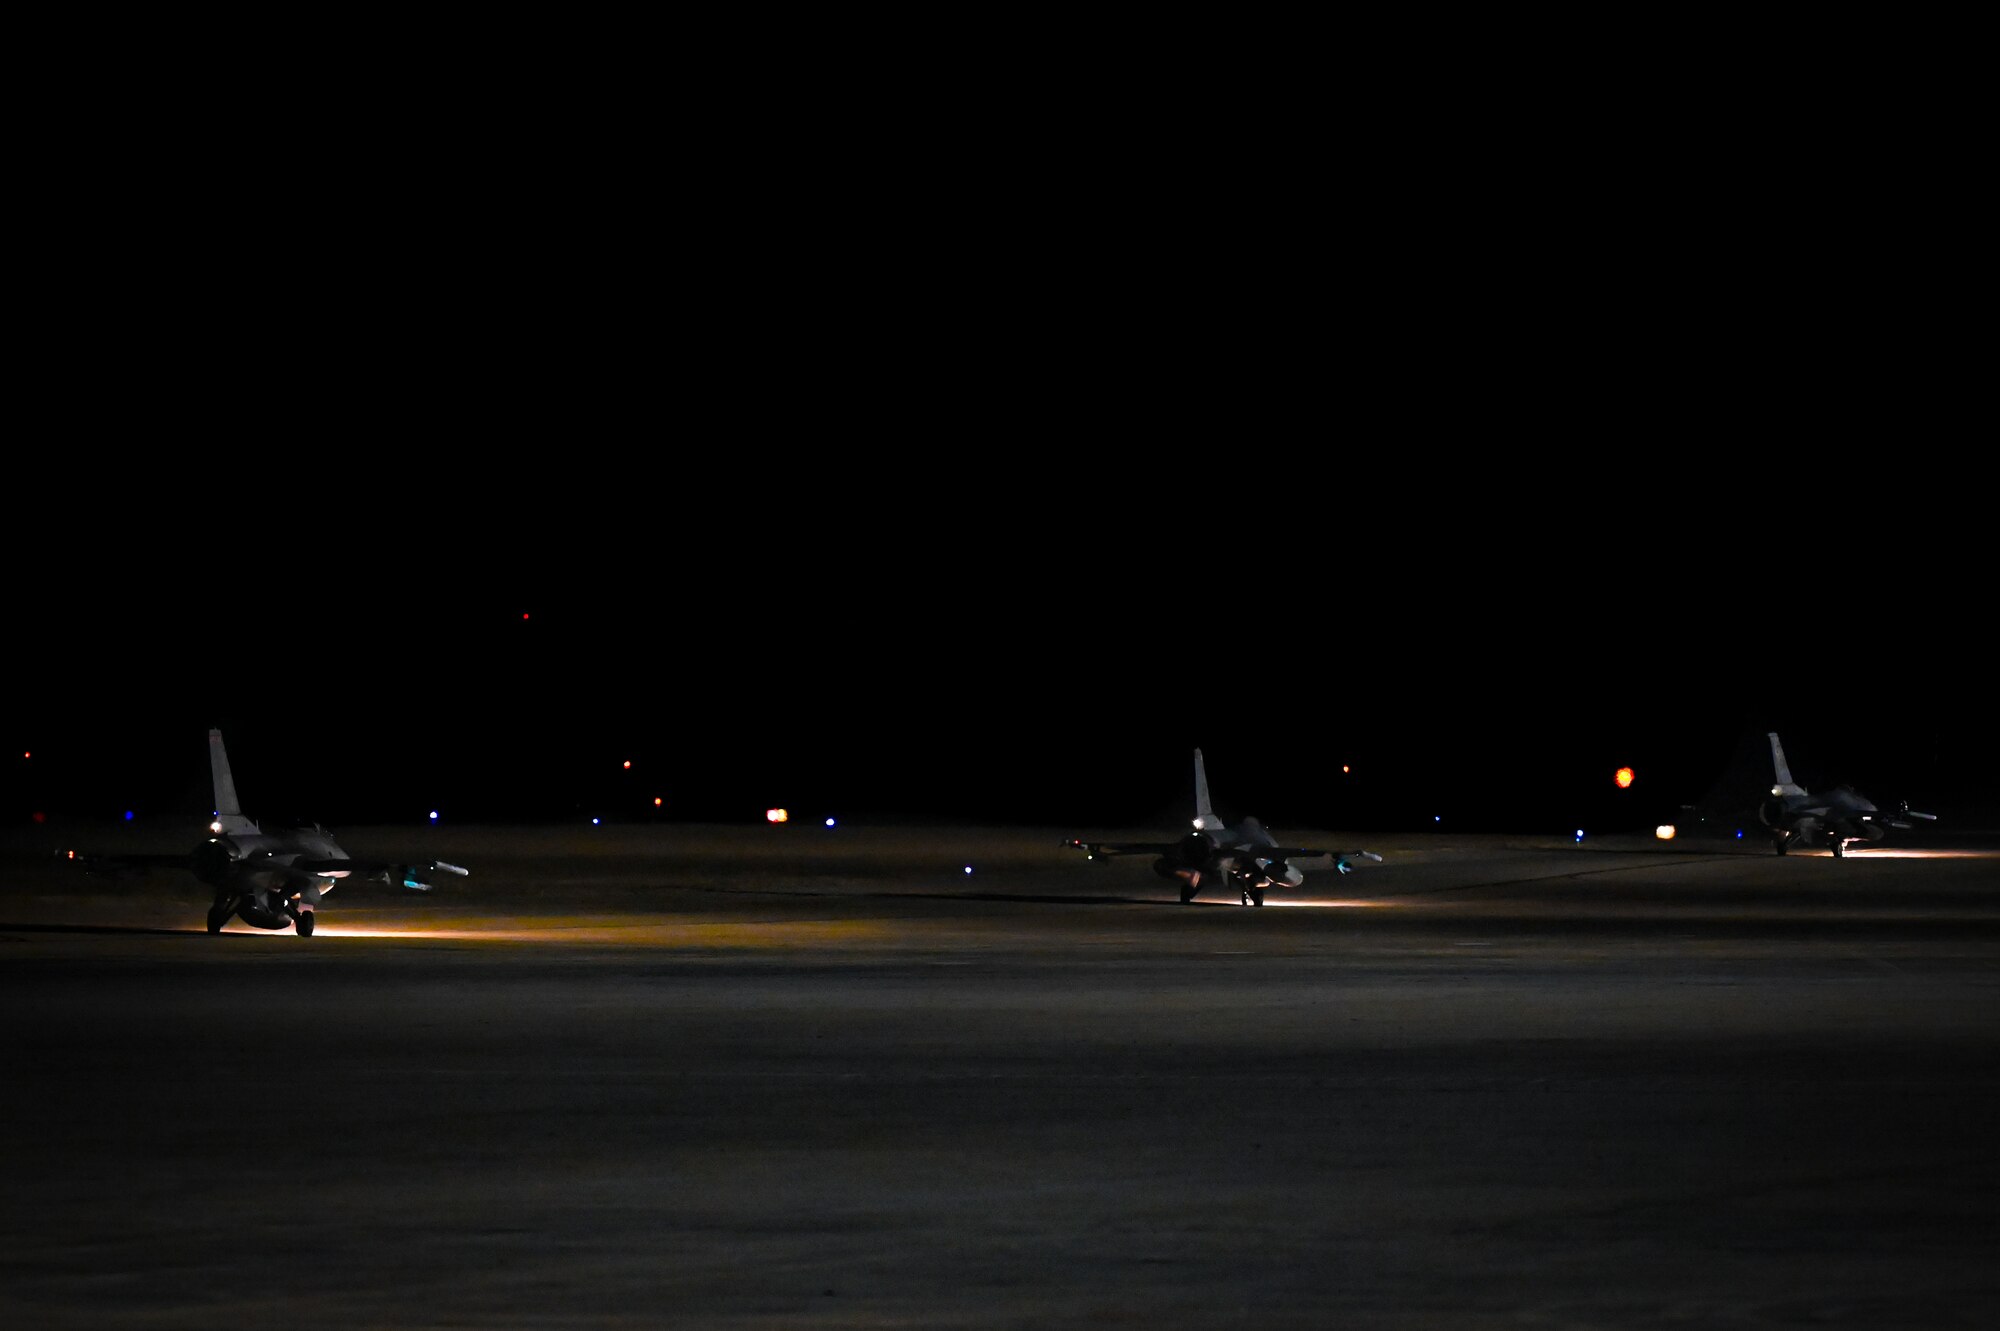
x: 434, y: 815
x: 594, y: 822
x: 1665, y: 832
x: 829, y: 822
x: 1579, y: 834
x: 968, y: 868
x: 215, y: 826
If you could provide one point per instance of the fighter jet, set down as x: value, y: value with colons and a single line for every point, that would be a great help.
x: 1797, y: 817
x: 274, y: 879
x: 1246, y: 856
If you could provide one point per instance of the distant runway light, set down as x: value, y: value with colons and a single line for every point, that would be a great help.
x: 434, y: 815
x: 628, y: 764
x: 1579, y: 834
x: 1345, y: 768
x: 1624, y: 778
x: 656, y: 801
x: 128, y: 815
x: 777, y: 815
x: 968, y: 868
x: 1739, y: 834
x: 829, y: 822
x: 595, y: 821
x: 1665, y: 831
x: 1437, y: 817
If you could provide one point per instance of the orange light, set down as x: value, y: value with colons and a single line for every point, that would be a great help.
x: 628, y: 763
x: 1345, y: 768
x: 776, y: 815
x: 1623, y: 778
x: 1665, y: 831
x: 656, y: 801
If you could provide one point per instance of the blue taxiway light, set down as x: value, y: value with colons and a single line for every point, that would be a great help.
x: 128, y: 815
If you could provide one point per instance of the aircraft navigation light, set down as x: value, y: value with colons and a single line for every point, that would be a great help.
x: 777, y: 815
x: 215, y: 826
x: 1623, y: 778
x: 1665, y: 831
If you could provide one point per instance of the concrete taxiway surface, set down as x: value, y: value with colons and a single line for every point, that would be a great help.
x: 763, y: 1077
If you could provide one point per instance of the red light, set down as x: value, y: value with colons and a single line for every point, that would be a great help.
x: 1623, y: 778
x: 628, y: 763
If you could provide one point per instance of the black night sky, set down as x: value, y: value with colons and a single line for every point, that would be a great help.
x: 944, y: 457
x: 1015, y: 674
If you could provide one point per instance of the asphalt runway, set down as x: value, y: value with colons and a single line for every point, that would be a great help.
x: 756, y: 1077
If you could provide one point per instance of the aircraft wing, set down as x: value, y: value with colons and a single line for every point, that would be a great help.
x: 415, y: 877
x: 115, y: 864
x: 1328, y: 858
x: 1092, y: 849
x: 1896, y: 818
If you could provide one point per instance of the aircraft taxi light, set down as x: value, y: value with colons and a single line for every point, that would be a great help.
x: 1665, y: 831
x: 777, y: 815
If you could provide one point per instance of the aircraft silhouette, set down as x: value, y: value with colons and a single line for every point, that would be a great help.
x: 1245, y: 855
x: 1797, y: 817
x: 271, y: 879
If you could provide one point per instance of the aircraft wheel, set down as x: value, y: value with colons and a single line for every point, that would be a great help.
x: 1256, y: 896
x: 1187, y: 893
x: 1779, y: 842
x: 219, y: 913
x: 1839, y: 849
x: 305, y: 923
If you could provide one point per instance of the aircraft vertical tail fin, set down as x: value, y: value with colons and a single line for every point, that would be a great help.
x: 1204, y: 816
x: 227, y: 811
x: 1781, y: 774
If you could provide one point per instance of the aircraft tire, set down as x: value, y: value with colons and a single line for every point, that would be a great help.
x: 218, y: 915
x: 1839, y: 849
x: 1187, y: 894
x: 305, y: 923
x: 1256, y: 896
